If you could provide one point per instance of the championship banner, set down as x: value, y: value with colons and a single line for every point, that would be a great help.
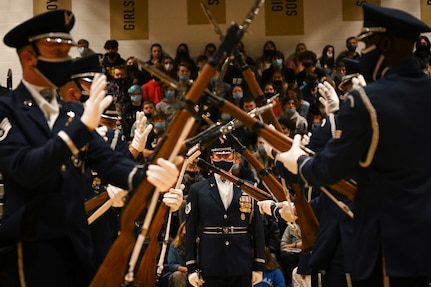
x: 129, y: 19
x: 284, y: 17
x: 352, y: 10
x: 196, y: 16
x: 426, y: 11
x: 41, y: 6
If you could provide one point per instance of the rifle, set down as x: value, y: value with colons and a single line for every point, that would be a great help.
x: 245, y: 186
x: 96, y: 201
x: 253, y: 85
x: 113, y: 267
x: 277, y: 139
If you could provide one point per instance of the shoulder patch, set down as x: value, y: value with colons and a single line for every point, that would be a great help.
x: 188, y: 208
x: 5, y: 127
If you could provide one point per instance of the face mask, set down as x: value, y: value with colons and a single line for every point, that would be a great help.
x: 57, y: 71
x: 148, y: 116
x: 120, y: 82
x: 223, y: 164
x: 237, y: 97
x: 352, y: 48
x: 214, y: 80
x: 235, y: 168
x: 136, y: 99
x: 84, y: 98
x: 269, y: 53
x: 277, y: 82
x: 111, y: 55
x: 424, y: 48
x: 369, y: 63
x: 131, y: 68
x: 160, y: 125
x: 192, y: 173
x: 168, y: 67
x: 184, y: 77
x: 277, y: 63
x: 82, y: 50
x: 226, y: 118
x: 329, y: 55
x: 261, y: 149
x: 182, y: 54
x: 290, y: 112
x: 307, y: 64
x: 169, y: 94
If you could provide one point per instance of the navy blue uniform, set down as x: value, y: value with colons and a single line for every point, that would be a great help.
x: 44, y: 211
x: 384, y: 132
x: 231, y: 241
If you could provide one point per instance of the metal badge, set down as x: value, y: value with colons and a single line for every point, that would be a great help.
x: 245, y: 204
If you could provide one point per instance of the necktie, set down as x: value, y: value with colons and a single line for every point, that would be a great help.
x: 47, y: 94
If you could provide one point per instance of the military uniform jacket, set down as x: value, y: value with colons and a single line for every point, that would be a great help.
x: 43, y: 180
x: 222, y: 253
x: 383, y: 130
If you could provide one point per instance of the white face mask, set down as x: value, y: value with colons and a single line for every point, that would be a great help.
x: 168, y: 67
x: 81, y: 50
x: 329, y: 55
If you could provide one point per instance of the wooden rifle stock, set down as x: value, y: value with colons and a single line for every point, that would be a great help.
x: 245, y: 186
x: 96, y: 201
x: 257, y: 93
x: 307, y: 219
x: 277, y: 139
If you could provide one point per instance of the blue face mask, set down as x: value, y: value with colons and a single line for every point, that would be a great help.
x: 290, y: 112
x: 136, y: 98
x: 235, y: 168
x: 352, y: 48
x: 160, y: 125
x: 261, y: 149
x: 237, y: 96
x: 277, y: 63
x: 214, y: 80
x: 169, y: 94
x: 184, y: 77
x: 226, y: 118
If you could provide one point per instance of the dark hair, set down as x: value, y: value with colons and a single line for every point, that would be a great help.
x: 111, y: 44
x: 308, y: 55
x: 270, y: 262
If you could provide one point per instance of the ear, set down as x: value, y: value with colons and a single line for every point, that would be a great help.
x: 73, y: 95
x: 28, y: 58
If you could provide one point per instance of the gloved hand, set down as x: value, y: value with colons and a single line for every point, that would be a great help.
x: 141, y: 131
x: 174, y: 198
x: 256, y: 277
x: 265, y: 206
x: 163, y: 174
x: 329, y: 98
x: 195, y: 280
x: 102, y: 130
x: 290, y: 157
x: 97, y: 102
x: 117, y: 195
x: 358, y: 81
x: 286, y: 211
x: 306, y: 139
x: 268, y: 147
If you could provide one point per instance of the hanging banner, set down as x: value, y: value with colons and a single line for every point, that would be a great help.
x: 196, y: 16
x: 129, y: 19
x: 352, y: 10
x: 284, y: 17
x: 41, y: 6
x: 426, y: 11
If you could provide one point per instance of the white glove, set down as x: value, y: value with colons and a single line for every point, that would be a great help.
x: 162, y: 175
x: 97, y: 102
x: 195, y: 280
x: 141, y: 131
x: 174, y: 198
x: 256, y: 277
x: 269, y: 148
x: 358, y: 81
x: 102, y: 131
x: 306, y: 139
x: 290, y: 157
x: 286, y: 211
x: 329, y: 98
x: 265, y: 206
x: 117, y: 195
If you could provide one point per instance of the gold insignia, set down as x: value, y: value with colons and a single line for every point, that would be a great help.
x: 242, y: 216
x: 67, y: 18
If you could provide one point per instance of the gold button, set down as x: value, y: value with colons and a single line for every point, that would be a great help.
x: 226, y: 243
